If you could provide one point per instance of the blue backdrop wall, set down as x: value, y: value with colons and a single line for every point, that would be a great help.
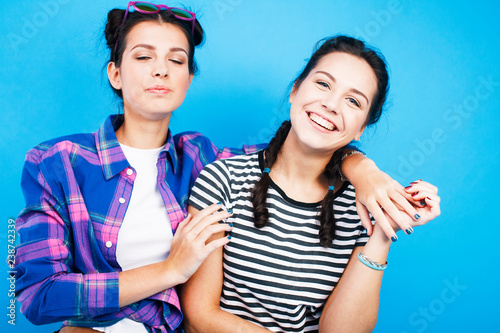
x: 441, y: 125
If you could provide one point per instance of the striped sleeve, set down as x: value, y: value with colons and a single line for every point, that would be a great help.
x: 347, y: 215
x: 212, y: 186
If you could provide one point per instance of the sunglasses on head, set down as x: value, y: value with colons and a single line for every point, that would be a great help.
x: 151, y: 8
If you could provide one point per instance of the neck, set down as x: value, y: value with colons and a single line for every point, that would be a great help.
x: 299, y: 172
x: 142, y: 133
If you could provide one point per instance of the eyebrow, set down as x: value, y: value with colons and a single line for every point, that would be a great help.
x: 354, y: 90
x: 151, y: 47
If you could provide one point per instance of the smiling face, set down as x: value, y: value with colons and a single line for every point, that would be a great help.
x: 330, y: 107
x: 154, y: 74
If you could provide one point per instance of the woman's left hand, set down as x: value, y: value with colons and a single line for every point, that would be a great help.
x: 423, y: 192
x: 377, y: 193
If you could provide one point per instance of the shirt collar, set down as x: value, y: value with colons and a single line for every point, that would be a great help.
x: 111, y: 156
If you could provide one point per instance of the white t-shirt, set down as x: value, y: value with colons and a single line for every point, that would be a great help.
x: 145, y: 235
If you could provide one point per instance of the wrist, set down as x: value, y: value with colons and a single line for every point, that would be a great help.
x: 169, y: 272
x: 378, y: 236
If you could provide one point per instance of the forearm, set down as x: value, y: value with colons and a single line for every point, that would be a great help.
x: 142, y: 282
x: 67, y: 296
x: 219, y: 321
x: 355, y: 166
x: 353, y: 307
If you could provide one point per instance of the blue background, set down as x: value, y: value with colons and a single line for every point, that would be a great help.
x: 442, y: 122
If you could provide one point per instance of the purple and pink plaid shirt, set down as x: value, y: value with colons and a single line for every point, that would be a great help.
x: 77, y: 189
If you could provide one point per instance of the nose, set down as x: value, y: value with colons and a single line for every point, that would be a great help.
x: 160, y: 71
x: 331, y: 103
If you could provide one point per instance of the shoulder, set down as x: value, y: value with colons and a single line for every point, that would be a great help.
x: 196, y: 146
x: 345, y: 199
x: 237, y: 168
x: 63, y: 145
x: 238, y: 163
x: 191, y: 138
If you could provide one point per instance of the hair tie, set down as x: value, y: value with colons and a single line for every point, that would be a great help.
x: 331, y: 188
x: 266, y: 170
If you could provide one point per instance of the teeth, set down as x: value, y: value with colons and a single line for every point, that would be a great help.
x: 321, y: 122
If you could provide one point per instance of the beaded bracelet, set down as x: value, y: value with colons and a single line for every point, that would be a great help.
x: 370, y: 263
x: 352, y: 152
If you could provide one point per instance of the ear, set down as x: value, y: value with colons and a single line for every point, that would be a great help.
x: 358, y: 135
x: 293, y: 93
x: 114, y: 76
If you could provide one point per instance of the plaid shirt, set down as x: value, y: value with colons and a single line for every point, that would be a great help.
x: 77, y: 190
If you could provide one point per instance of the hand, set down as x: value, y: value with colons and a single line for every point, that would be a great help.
x: 428, y: 209
x: 379, y: 191
x: 189, y: 245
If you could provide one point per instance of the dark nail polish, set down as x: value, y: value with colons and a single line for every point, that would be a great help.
x: 231, y: 225
x: 219, y: 203
x: 414, y: 194
x: 422, y: 203
x: 429, y: 198
x: 409, y: 231
x: 407, y: 187
x: 229, y: 237
x: 394, y: 238
x: 417, y: 216
x: 230, y: 211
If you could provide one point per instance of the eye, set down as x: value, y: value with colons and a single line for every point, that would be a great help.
x: 175, y: 61
x: 141, y: 58
x: 353, y: 101
x: 323, y: 84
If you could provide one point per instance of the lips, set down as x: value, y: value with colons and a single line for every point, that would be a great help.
x: 322, y: 122
x: 158, y: 89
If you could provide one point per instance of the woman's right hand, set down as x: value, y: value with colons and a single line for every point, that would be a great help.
x: 189, y: 245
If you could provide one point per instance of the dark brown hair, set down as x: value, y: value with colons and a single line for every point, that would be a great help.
x: 376, y: 61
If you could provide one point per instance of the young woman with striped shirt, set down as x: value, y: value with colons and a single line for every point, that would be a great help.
x: 299, y: 259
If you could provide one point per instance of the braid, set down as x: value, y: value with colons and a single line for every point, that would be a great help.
x: 326, y: 217
x: 259, y: 192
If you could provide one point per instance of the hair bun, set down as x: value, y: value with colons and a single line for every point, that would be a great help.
x: 199, y: 34
x: 115, y: 19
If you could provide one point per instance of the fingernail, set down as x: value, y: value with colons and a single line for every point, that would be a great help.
x: 394, y: 238
x: 409, y: 231
x: 229, y: 237
x: 230, y: 211
x: 429, y: 198
x: 417, y: 216
x: 407, y: 187
x: 422, y: 203
x: 219, y: 203
x: 414, y: 194
x: 231, y: 225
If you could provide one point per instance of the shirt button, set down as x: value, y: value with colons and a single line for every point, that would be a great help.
x: 121, y: 200
x: 130, y: 172
x: 109, y: 244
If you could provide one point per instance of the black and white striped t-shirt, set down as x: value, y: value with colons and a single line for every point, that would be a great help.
x: 278, y: 276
